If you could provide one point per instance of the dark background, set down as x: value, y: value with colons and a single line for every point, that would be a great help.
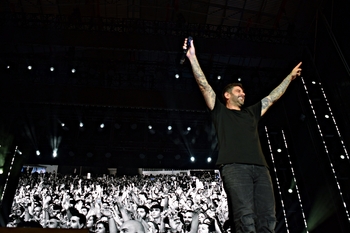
x: 126, y: 55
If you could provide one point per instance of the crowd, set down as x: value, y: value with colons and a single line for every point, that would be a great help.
x: 110, y: 204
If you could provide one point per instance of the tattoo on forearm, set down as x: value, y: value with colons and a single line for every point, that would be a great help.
x: 265, y: 103
x: 205, y: 88
x: 280, y: 89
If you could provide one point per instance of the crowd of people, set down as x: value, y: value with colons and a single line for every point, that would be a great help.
x: 111, y: 204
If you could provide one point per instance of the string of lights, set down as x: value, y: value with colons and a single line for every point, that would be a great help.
x: 9, y: 173
x: 335, y: 123
x: 277, y: 181
x: 295, y: 182
x: 326, y: 149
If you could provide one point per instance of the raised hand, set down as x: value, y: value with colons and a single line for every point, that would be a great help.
x: 191, y: 51
x: 296, y: 71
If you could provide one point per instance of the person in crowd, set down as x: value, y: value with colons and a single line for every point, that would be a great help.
x: 77, y: 221
x: 132, y: 226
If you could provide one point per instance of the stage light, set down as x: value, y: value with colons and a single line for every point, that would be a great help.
x: 73, y: 70
x: 52, y: 68
x: 81, y: 124
x: 1, y: 171
x: 192, y: 159
x: 7, y: 67
x: 54, y: 153
x: 188, y: 128
x: 169, y: 127
x: 177, y: 76
x: 150, y: 127
x: 313, y: 82
x: 219, y: 77
x: 37, y: 152
x: 290, y: 190
x: 62, y: 124
x: 239, y: 79
x: 279, y: 150
x: 102, y: 126
x: 29, y: 67
x: 342, y: 156
x: 326, y: 116
x: 208, y: 159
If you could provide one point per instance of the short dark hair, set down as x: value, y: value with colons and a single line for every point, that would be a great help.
x: 157, y: 206
x: 229, y: 87
x: 143, y: 207
x: 82, y: 218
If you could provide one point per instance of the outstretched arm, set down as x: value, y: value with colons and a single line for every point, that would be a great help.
x: 279, y: 90
x: 207, y: 91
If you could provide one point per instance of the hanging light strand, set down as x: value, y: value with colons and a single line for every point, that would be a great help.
x: 8, y: 174
x: 334, y: 122
x: 277, y: 181
x: 295, y: 181
x: 326, y: 150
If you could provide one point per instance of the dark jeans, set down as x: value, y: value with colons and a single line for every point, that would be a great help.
x: 251, y: 199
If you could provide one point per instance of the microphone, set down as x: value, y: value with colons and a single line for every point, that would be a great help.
x: 183, y: 58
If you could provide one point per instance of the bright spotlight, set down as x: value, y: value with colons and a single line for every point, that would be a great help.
x: 150, y: 127
x: 1, y: 171
x: 219, y: 77
x: 81, y: 124
x: 326, y: 116
x: 313, y: 82
x: 239, y: 79
x: 7, y: 67
x: 62, y: 124
x: 37, y: 152
x: 188, y: 128
x: 102, y: 126
x: 279, y: 150
x: 54, y: 153
x: 177, y: 76
x: 342, y: 156
x: 208, y: 159
x: 169, y: 127
x: 192, y: 159
x: 290, y: 190
x: 73, y: 70
x: 29, y: 67
x: 52, y: 68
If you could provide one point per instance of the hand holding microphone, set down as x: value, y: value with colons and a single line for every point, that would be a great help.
x: 186, y: 47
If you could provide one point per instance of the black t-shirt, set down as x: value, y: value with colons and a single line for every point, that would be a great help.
x: 237, y: 133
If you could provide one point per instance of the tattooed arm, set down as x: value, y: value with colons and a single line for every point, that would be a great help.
x: 279, y: 90
x: 207, y: 91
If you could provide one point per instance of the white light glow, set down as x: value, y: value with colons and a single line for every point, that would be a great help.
x: 54, y: 153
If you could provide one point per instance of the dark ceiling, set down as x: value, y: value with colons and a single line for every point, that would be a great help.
x: 126, y: 55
